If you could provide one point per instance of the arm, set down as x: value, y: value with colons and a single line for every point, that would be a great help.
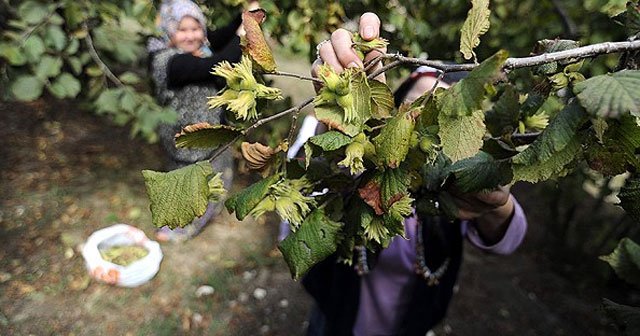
x: 512, y: 233
x: 220, y: 38
x: 184, y: 69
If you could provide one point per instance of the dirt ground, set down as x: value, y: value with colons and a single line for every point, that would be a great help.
x: 65, y: 173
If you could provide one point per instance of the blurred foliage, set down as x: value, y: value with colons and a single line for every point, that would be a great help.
x: 45, y: 47
x: 92, y: 50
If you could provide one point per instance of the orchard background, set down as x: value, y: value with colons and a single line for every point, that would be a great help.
x: 63, y: 178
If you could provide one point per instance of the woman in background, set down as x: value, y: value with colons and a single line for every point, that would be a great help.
x: 180, y: 63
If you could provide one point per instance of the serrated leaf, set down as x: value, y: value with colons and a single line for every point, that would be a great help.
x: 204, y: 135
x: 179, y: 196
x: 461, y: 136
x: 629, y: 196
x: 392, y: 144
x: 243, y: 202
x: 376, y: 230
x: 475, y: 25
x: 331, y: 140
x: 625, y: 261
x: 503, y: 117
x: 557, y: 164
x: 626, y: 318
x: 316, y: 239
x: 33, y: 48
x: 254, y: 42
x: 27, y: 88
x: 393, y: 186
x: 332, y: 116
x: 560, y: 132
x: 621, y: 143
x: 361, y: 97
x: 381, y: 100
x: 466, y: 96
x: 611, y: 95
x: 556, y: 147
x: 480, y: 172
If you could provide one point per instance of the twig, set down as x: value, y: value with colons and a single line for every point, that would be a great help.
x: 96, y: 58
x: 259, y: 123
x: 288, y: 74
x: 25, y: 36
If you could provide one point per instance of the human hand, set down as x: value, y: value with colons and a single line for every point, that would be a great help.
x: 338, y: 51
x: 253, y: 4
x: 491, y: 211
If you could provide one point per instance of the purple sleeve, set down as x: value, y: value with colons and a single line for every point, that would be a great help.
x: 512, y: 238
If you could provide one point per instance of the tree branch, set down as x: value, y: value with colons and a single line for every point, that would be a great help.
x: 572, y: 54
x: 288, y: 74
x: 259, y: 123
x: 516, y: 63
x: 96, y: 57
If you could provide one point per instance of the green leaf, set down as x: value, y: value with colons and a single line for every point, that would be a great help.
x: 128, y: 101
x: 621, y: 142
x: 625, y: 261
x: 361, y: 97
x: 461, y: 136
x: 12, y: 54
x: 465, y: 97
x: 558, y: 164
x: 108, y: 101
x: 475, y: 25
x: 480, y: 172
x: 33, y: 12
x: 611, y: 95
x: 332, y: 116
x: 27, y: 88
x: 75, y: 64
x: 315, y: 240
x: 503, y: 117
x: 560, y: 132
x: 48, y: 67
x: 392, y: 144
x: 66, y: 86
x: 56, y: 38
x: 630, y: 197
x: 179, y: 196
x: 331, y: 140
x: 204, y: 135
x: 626, y: 318
x: 381, y: 100
x: 243, y: 202
x: 33, y: 48
x: 393, y: 186
x: 554, y: 149
x: 129, y: 78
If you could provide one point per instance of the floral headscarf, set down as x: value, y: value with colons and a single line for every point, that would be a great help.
x: 169, y: 17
